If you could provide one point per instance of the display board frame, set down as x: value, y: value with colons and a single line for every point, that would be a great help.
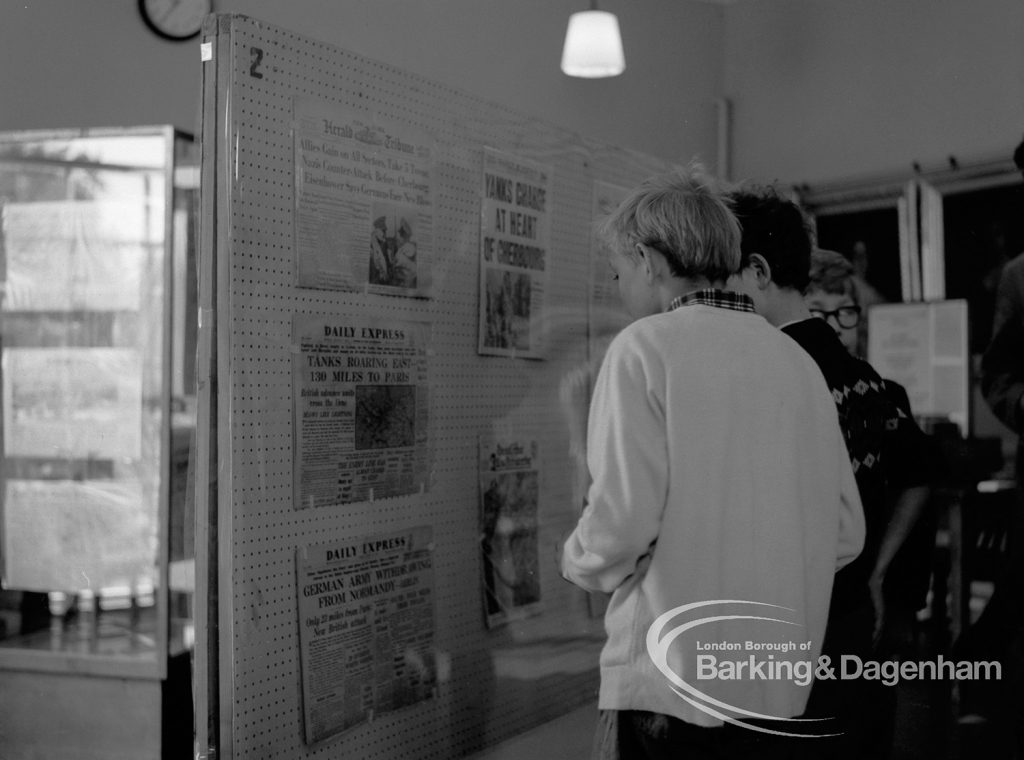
x: 492, y: 683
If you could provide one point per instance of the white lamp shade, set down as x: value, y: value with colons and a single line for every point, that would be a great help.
x: 593, y: 46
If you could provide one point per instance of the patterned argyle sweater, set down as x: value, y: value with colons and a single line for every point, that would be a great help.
x: 886, y: 447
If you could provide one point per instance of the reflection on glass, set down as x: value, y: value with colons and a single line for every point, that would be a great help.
x: 85, y: 382
x: 983, y: 230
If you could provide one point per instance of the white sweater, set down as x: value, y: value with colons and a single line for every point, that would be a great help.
x: 719, y: 473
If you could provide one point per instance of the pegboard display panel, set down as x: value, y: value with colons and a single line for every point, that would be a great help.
x: 493, y: 683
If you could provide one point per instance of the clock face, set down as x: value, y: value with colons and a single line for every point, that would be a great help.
x: 175, y: 19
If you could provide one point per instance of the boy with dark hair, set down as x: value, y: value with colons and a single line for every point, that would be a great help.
x: 886, y: 449
x: 775, y: 229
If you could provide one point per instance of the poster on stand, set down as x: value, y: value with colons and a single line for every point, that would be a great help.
x: 514, y: 225
x: 924, y: 348
x: 364, y: 210
x: 360, y: 403
x: 509, y: 493
x: 366, y: 628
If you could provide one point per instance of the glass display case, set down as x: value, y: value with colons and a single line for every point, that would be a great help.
x: 97, y: 377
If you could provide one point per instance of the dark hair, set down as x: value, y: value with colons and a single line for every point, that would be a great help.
x: 1018, y: 156
x: 775, y: 228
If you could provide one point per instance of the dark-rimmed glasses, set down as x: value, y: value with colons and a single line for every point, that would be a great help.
x: 845, y: 316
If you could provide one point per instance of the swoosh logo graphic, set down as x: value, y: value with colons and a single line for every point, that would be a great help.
x: 658, y: 645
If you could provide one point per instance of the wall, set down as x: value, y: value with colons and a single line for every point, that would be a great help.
x: 823, y: 90
x: 828, y: 90
x: 95, y: 64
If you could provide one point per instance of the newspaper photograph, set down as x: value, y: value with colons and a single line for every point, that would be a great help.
x: 363, y: 202
x: 514, y: 224
x: 509, y: 494
x: 366, y: 628
x: 360, y: 409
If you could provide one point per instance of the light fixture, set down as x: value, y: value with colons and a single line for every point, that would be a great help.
x: 593, y: 45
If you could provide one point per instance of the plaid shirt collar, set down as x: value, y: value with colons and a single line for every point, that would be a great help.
x: 724, y: 299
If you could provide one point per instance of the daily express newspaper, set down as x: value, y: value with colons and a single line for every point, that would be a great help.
x: 509, y: 494
x: 363, y: 202
x: 366, y: 628
x: 360, y: 408
x: 514, y: 224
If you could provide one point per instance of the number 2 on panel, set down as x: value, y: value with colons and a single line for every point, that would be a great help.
x: 257, y: 59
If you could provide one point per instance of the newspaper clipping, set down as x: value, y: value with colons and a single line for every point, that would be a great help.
x: 363, y: 203
x: 366, y: 628
x: 360, y: 408
x: 509, y: 492
x: 514, y: 223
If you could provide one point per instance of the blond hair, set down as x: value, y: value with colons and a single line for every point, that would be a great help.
x: 681, y: 215
x: 831, y: 272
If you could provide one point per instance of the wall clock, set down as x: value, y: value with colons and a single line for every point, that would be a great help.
x: 175, y: 19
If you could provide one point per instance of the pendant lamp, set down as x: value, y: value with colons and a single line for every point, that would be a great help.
x: 593, y: 45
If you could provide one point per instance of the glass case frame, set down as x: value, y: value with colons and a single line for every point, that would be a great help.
x: 128, y: 635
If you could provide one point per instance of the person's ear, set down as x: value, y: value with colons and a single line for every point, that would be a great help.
x: 762, y: 270
x: 651, y: 260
